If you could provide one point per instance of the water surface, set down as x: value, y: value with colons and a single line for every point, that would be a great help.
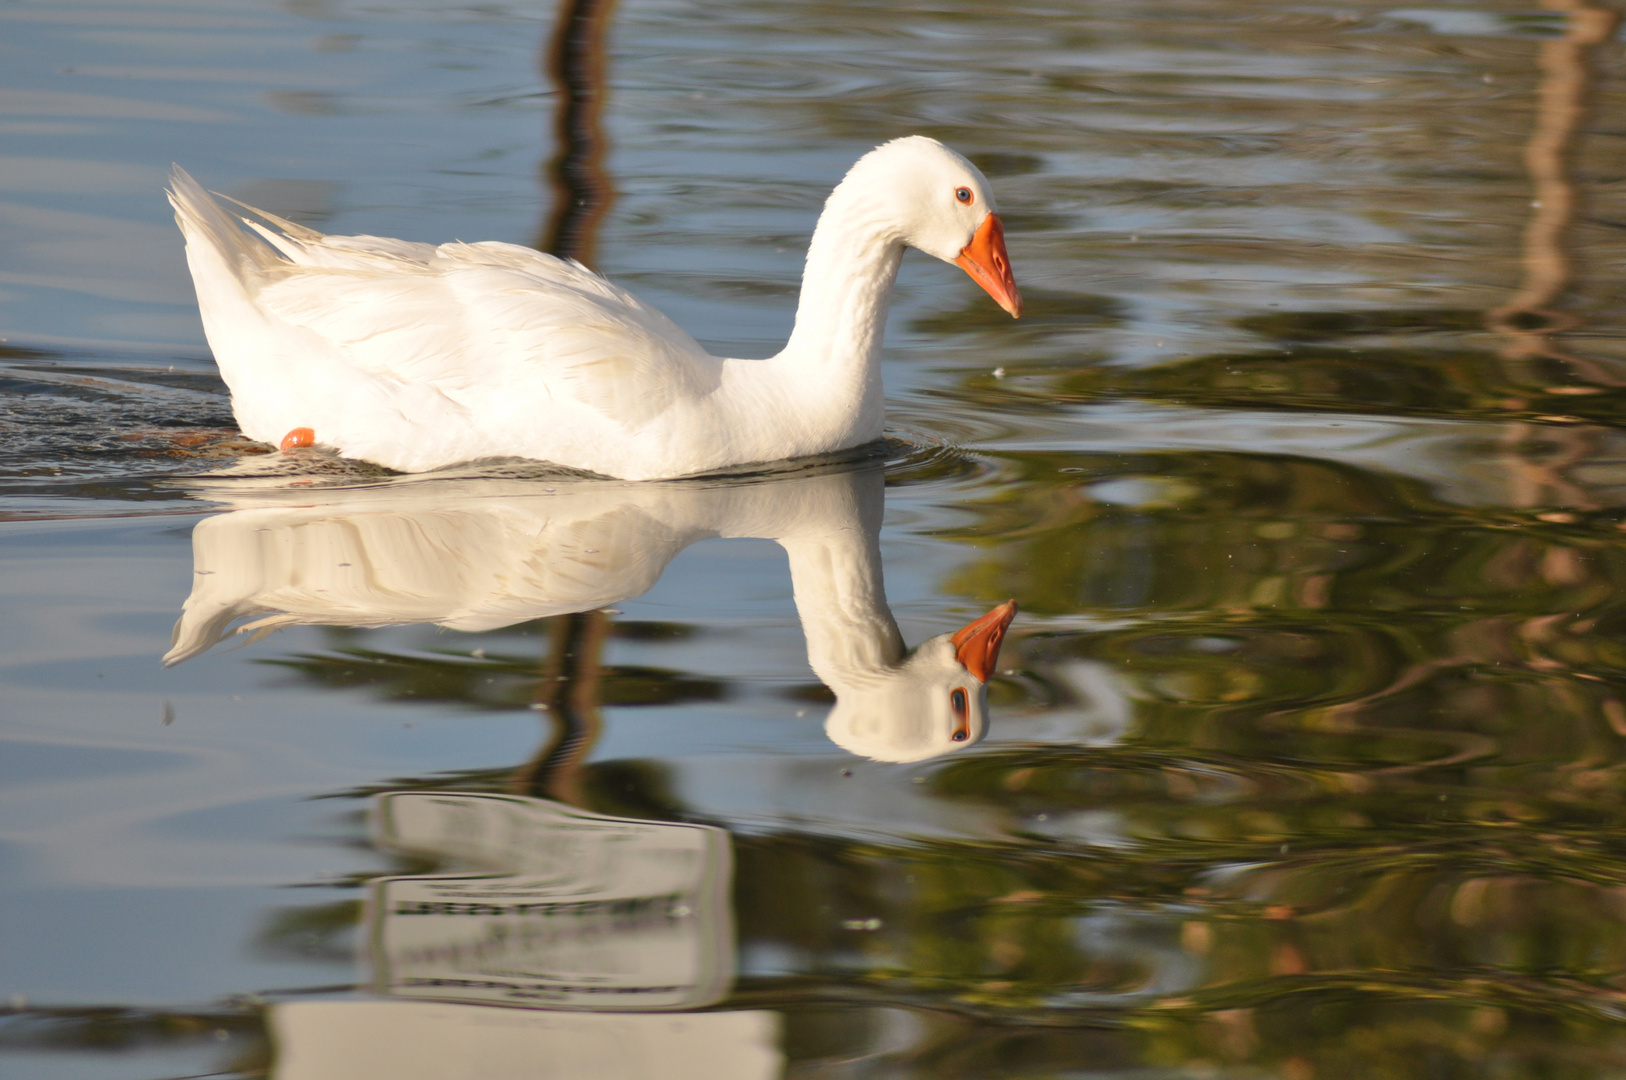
x: 1306, y: 466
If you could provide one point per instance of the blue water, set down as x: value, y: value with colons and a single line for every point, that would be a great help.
x: 1306, y: 466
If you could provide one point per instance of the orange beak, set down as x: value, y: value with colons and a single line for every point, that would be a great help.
x: 976, y: 644
x: 985, y: 260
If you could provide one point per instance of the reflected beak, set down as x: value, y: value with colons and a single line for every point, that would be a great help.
x: 976, y: 644
x: 985, y: 260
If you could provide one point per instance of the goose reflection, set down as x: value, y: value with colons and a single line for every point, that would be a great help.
x: 483, y: 553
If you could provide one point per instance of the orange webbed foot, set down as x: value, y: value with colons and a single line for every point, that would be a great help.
x: 299, y: 436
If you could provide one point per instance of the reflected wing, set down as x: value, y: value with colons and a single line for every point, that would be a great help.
x: 382, y: 556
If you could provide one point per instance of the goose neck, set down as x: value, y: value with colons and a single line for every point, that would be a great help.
x: 852, y: 264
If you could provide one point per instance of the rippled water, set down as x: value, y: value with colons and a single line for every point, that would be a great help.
x: 1307, y: 467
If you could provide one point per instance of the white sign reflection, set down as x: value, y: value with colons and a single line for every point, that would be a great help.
x: 585, y: 911
x: 601, y: 926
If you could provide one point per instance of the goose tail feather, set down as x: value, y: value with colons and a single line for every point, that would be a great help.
x: 205, y: 223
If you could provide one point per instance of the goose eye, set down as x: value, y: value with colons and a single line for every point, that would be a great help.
x: 963, y: 194
x: 962, y: 721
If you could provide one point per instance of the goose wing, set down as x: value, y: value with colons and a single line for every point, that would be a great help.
x: 477, y: 321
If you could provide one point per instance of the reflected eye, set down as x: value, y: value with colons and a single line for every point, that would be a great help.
x: 963, y: 194
x: 962, y: 719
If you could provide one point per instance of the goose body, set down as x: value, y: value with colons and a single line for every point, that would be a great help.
x: 416, y: 356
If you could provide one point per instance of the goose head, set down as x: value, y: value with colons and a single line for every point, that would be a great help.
x: 931, y: 198
x: 933, y: 702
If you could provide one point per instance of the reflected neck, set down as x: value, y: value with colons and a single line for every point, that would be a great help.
x: 835, y: 572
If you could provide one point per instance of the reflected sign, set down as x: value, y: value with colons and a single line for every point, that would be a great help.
x: 558, y: 907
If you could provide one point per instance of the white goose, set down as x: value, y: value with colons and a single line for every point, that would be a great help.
x: 486, y: 553
x: 417, y: 357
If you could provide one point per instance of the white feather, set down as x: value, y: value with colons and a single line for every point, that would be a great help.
x: 416, y: 356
